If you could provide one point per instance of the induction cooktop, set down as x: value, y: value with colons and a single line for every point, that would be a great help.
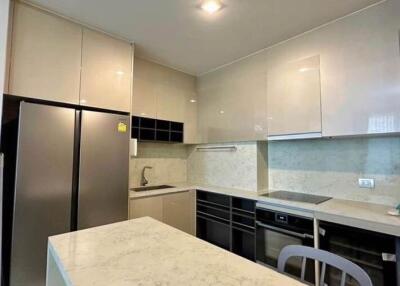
x: 297, y: 197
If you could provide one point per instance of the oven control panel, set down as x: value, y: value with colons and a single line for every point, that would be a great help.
x: 281, y: 218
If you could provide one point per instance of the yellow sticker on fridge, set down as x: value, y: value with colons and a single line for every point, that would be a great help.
x: 122, y: 127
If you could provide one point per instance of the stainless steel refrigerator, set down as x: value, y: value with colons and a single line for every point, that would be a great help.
x: 71, y: 172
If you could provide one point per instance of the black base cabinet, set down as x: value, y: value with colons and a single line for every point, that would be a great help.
x: 227, y: 222
x: 374, y: 252
x: 215, y: 232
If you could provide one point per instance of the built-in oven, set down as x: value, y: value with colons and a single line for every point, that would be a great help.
x: 275, y: 230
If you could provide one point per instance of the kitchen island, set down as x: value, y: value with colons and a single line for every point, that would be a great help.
x: 147, y: 252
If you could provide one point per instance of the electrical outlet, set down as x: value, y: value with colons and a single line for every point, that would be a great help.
x: 366, y: 183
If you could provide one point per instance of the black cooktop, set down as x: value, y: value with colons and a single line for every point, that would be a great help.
x: 297, y: 197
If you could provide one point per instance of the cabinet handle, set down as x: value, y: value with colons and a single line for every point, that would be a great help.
x: 285, y: 231
x: 390, y: 257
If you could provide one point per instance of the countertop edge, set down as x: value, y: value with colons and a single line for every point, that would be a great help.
x: 358, y: 223
x: 57, y: 260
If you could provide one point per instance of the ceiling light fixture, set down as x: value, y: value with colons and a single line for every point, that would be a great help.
x: 193, y: 100
x: 211, y: 6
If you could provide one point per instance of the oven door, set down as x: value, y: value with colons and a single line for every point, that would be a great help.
x: 272, y: 239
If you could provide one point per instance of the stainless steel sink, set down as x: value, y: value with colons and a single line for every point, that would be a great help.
x: 151, y: 188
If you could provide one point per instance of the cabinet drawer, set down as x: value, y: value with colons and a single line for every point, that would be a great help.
x: 213, y: 211
x: 213, y: 198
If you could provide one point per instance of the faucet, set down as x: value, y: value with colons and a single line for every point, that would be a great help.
x: 143, y: 180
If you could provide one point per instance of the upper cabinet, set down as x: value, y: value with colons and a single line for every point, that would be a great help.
x: 106, y: 72
x: 55, y: 59
x: 361, y: 72
x: 45, y: 56
x: 233, y: 102
x: 294, y: 99
x: 166, y: 94
x: 145, y: 89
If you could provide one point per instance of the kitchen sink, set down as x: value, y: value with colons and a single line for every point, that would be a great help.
x: 151, y: 188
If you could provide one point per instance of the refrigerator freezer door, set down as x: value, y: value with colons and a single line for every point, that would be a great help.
x: 43, y: 187
x: 103, y: 170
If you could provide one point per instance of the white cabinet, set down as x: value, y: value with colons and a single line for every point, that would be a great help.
x: 233, y: 102
x: 45, y: 56
x: 51, y: 59
x: 294, y: 98
x: 144, y: 99
x: 177, y: 209
x: 106, y: 72
x: 163, y: 93
x: 361, y: 91
x: 148, y: 206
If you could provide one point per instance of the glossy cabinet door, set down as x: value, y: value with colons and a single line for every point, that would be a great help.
x: 361, y: 71
x: 190, y: 135
x: 179, y: 211
x: 233, y: 102
x: 163, y: 93
x: 45, y: 56
x: 172, y: 96
x: 144, y: 98
x: 176, y: 209
x: 106, y: 72
x: 294, y: 98
x: 148, y: 206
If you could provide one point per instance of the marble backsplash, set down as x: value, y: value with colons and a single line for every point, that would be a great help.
x: 329, y: 167
x: 332, y: 167
x: 243, y: 169
x: 168, y: 162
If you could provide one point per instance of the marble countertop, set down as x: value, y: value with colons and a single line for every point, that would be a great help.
x: 368, y: 216
x: 357, y: 214
x: 147, y: 252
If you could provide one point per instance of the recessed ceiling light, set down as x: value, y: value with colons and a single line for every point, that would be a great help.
x: 211, y: 6
x: 221, y: 112
x: 193, y: 100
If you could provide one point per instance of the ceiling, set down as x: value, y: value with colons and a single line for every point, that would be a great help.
x: 176, y: 33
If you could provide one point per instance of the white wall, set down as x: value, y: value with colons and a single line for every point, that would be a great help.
x: 4, y: 17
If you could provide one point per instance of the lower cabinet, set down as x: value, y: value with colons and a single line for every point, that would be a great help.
x: 176, y: 209
x: 374, y: 252
x: 148, y: 206
x: 227, y: 222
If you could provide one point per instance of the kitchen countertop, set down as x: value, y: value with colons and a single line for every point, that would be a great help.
x: 368, y: 216
x: 147, y: 252
x: 363, y: 215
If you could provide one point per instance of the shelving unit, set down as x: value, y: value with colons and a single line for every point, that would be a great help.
x: 243, y: 217
x: 350, y: 243
x: 149, y: 129
x: 228, y: 222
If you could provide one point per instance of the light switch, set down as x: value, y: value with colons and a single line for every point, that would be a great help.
x: 366, y: 183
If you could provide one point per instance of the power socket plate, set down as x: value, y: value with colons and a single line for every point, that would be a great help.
x: 366, y: 183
